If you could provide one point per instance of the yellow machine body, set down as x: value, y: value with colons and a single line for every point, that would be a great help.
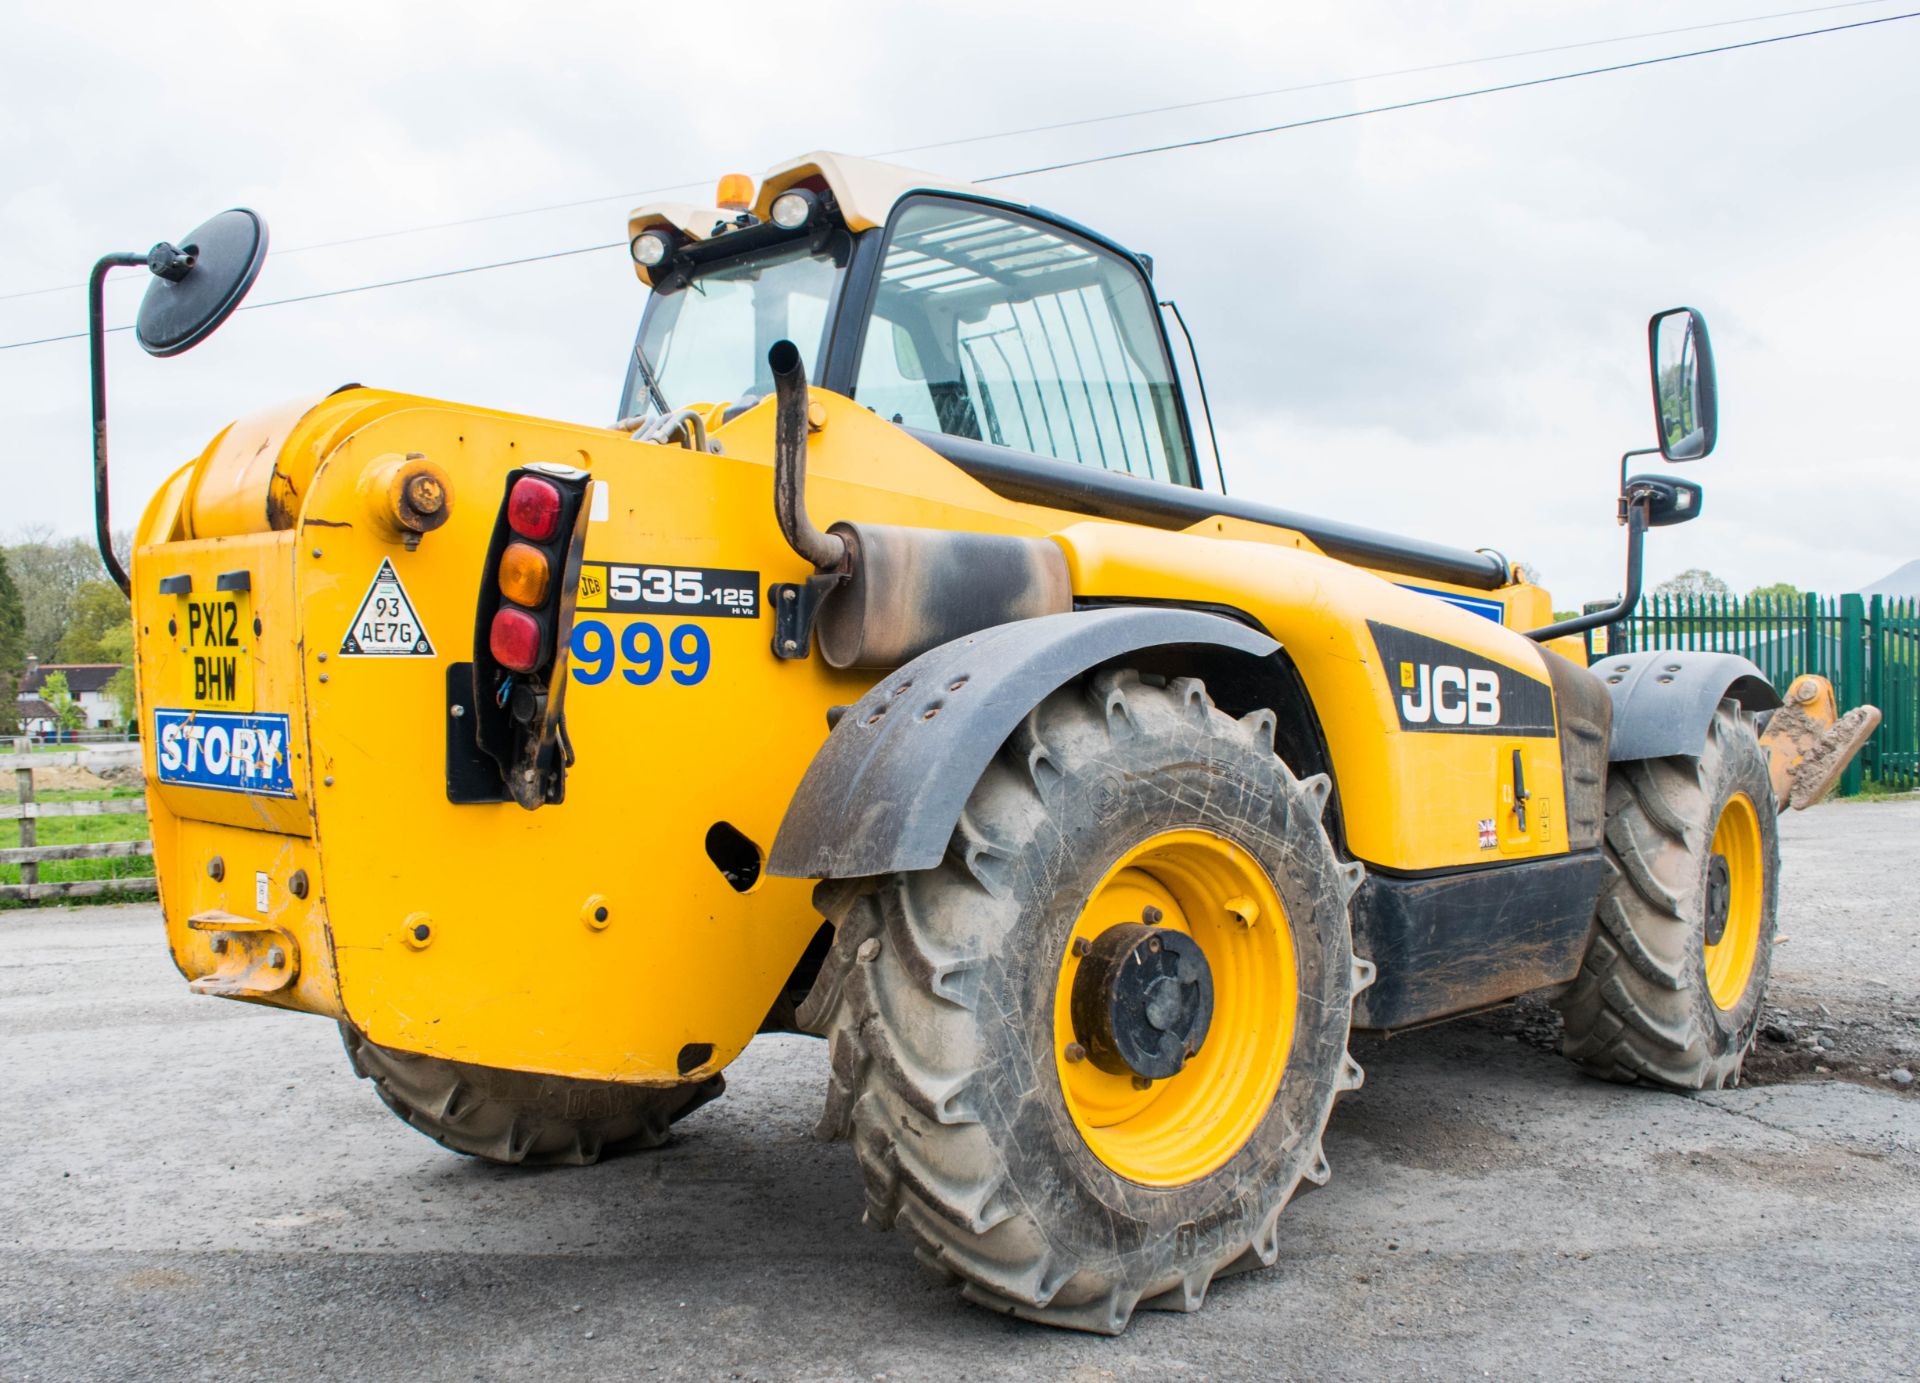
x: 596, y: 937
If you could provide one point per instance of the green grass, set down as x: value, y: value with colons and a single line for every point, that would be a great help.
x: 78, y: 830
x: 1873, y: 790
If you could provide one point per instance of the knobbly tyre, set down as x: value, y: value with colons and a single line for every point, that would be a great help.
x: 1085, y: 811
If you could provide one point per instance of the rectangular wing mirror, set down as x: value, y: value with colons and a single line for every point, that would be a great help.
x: 1685, y: 397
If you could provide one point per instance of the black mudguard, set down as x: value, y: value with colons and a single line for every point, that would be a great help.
x: 1664, y: 700
x: 885, y: 791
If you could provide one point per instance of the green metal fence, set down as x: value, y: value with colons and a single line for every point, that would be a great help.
x: 1867, y: 646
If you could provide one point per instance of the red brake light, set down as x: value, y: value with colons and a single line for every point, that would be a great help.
x: 533, y: 508
x: 514, y: 639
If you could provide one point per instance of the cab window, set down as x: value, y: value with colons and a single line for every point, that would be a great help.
x: 991, y: 326
x: 706, y: 339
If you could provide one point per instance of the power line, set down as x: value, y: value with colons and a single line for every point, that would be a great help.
x: 1043, y: 129
x: 1438, y: 100
x: 355, y: 288
x: 1381, y: 76
x: 1098, y: 158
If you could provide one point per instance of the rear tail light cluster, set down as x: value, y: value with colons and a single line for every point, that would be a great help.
x: 524, y: 575
x: 521, y: 629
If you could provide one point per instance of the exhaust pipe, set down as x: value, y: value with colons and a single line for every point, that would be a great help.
x: 827, y: 551
x: 883, y: 595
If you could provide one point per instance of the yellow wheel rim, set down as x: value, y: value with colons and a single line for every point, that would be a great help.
x: 1730, y: 961
x: 1188, y: 1125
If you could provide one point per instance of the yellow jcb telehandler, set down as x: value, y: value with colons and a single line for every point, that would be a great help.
x: 1083, y: 809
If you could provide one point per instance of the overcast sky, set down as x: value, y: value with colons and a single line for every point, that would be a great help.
x: 1431, y: 321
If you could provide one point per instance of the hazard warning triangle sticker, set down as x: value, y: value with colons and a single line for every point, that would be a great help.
x: 386, y: 626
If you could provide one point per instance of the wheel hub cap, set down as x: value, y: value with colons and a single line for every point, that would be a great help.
x: 1719, y: 898
x: 1142, y: 1001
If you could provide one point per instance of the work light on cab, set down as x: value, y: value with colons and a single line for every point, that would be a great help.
x: 792, y: 210
x: 735, y: 192
x: 515, y: 640
x: 524, y: 574
x: 650, y: 249
x: 533, y: 509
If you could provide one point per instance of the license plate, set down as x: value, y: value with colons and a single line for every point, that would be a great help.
x: 216, y: 634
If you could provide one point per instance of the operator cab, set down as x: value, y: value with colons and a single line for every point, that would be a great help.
x: 970, y: 322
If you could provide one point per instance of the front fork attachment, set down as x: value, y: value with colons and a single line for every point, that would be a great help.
x: 1809, y: 743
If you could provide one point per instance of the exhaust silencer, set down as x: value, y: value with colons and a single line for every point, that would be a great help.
x: 911, y: 589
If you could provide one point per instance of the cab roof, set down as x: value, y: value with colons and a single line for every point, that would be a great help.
x: 865, y: 189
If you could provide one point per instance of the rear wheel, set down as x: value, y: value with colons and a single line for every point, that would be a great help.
x: 520, y: 1117
x: 1671, y: 988
x: 1087, y: 1060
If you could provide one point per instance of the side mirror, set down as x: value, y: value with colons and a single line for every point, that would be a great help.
x: 1685, y: 396
x: 1670, y: 500
x: 197, y: 286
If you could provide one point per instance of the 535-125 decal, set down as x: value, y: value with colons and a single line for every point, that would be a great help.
x: 635, y: 588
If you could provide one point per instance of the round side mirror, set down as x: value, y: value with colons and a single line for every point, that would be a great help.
x: 196, y: 286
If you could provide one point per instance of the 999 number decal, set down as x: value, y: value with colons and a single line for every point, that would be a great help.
x: 640, y: 652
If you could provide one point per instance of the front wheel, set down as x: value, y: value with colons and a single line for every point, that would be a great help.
x: 1087, y: 1060
x: 1671, y: 987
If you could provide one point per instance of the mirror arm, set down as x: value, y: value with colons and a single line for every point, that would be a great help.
x: 1625, y: 457
x: 1635, y: 517
x: 97, y: 344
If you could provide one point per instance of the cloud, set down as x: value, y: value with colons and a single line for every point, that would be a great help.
x: 1430, y: 321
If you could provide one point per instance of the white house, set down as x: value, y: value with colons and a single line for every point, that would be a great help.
x: 88, y: 684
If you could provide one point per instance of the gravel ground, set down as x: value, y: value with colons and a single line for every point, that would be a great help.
x: 197, y: 1189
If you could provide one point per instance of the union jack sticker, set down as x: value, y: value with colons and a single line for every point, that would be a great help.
x: 1489, y: 838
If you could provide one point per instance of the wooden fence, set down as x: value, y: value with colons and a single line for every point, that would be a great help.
x: 30, y: 854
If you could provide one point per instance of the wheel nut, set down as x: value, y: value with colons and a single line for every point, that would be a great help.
x: 1142, y: 1083
x: 1151, y: 915
x: 1082, y: 947
x: 1075, y: 1052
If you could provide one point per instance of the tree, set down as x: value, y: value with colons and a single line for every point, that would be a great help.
x: 95, y: 611
x: 1695, y: 581
x: 13, y: 650
x: 49, y: 572
x: 116, y: 646
x: 66, y: 711
x: 1780, y: 592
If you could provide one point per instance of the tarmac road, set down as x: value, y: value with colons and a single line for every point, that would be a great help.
x: 197, y: 1189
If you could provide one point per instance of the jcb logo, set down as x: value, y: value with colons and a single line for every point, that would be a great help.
x: 1449, y: 695
x: 1441, y: 688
